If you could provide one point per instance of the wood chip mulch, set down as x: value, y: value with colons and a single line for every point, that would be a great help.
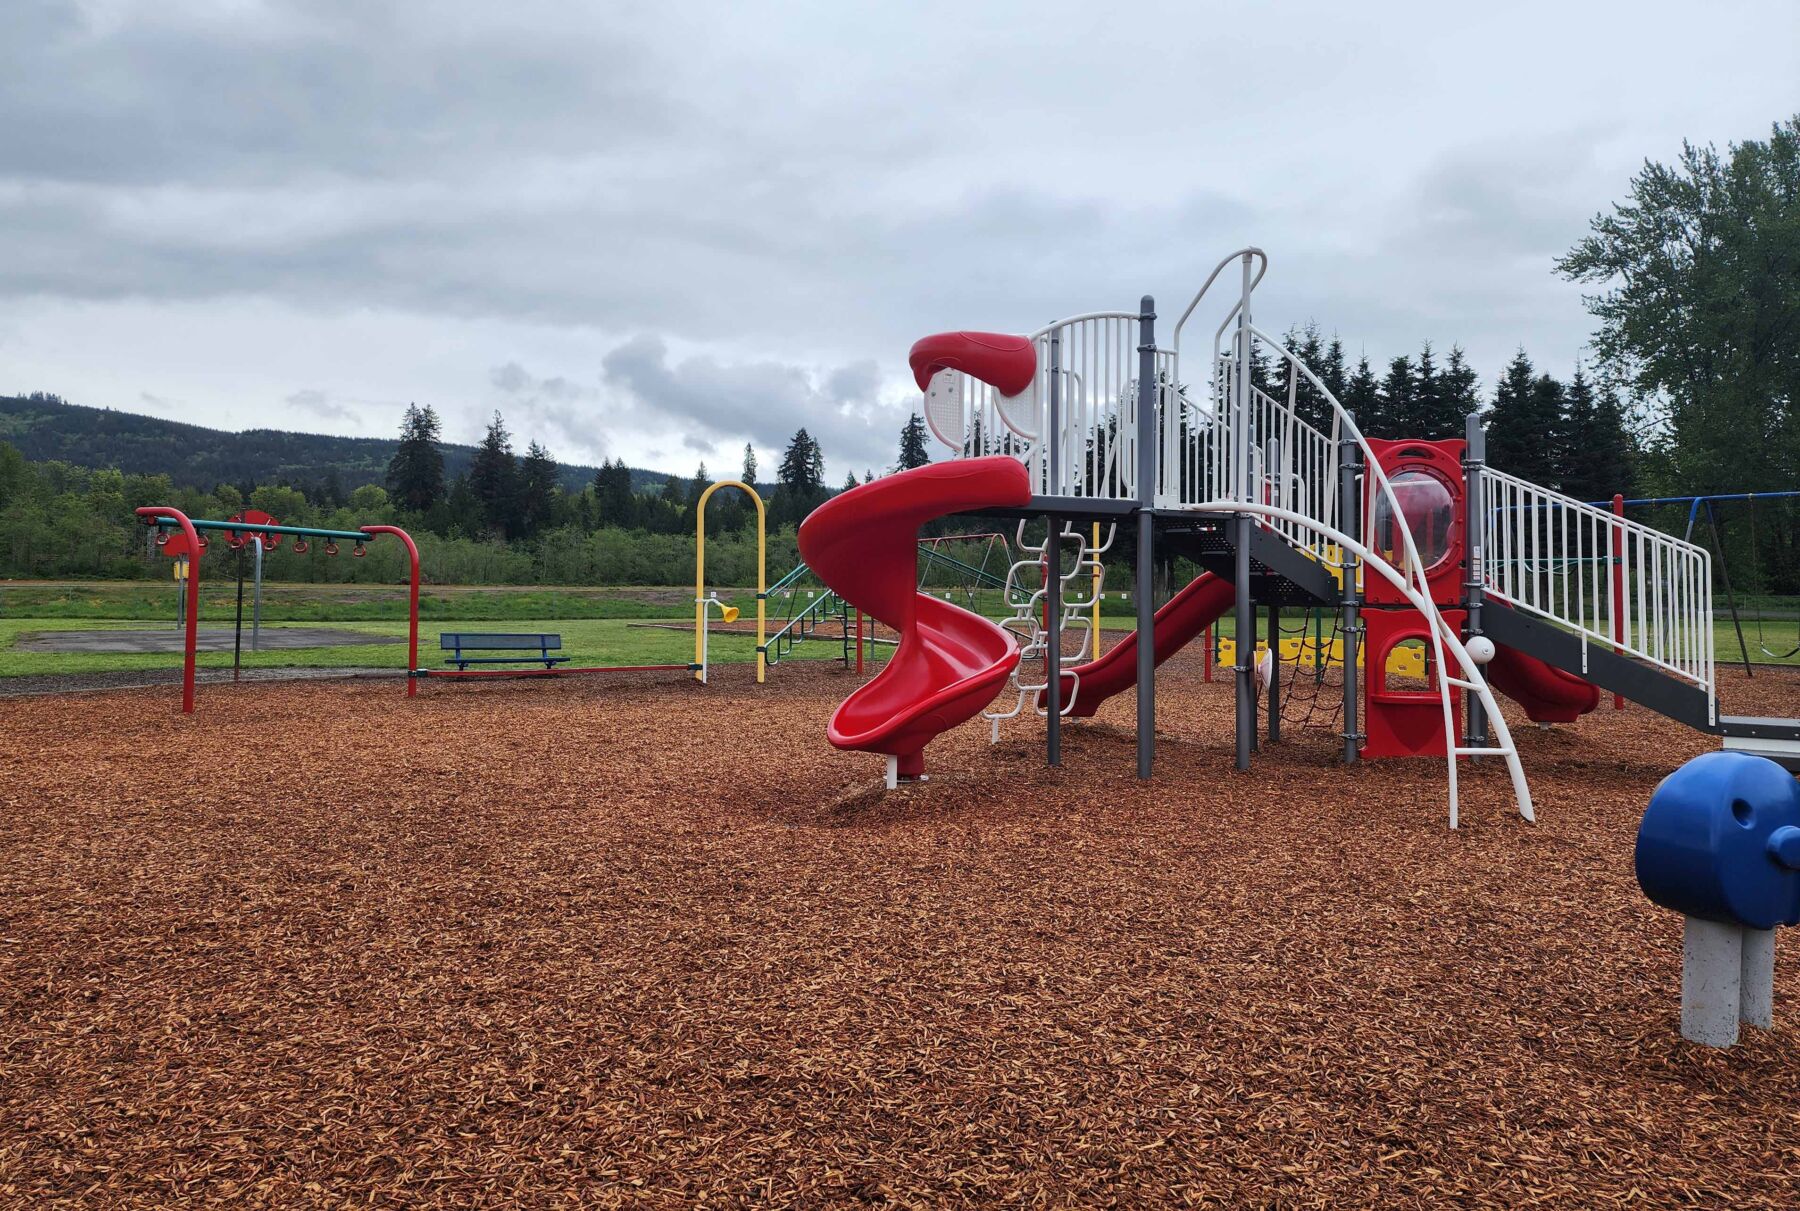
x: 631, y: 941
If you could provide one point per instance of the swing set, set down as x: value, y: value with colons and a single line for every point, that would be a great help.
x: 184, y: 538
x: 1707, y: 505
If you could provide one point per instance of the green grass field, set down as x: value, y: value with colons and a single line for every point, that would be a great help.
x: 596, y: 624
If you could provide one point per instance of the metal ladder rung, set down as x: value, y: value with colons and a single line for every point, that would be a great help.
x: 1483, y: 752
x: 1460, y: 684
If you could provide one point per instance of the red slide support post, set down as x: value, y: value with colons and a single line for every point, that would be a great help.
x: 1618, y: 587
x: 412, y: 631
x: 149, y: 512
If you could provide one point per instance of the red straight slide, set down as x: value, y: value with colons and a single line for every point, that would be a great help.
x: 950, y: 663
x: 1203, y: 602
x: 1548, y: 694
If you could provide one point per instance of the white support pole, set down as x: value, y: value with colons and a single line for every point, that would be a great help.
x: 256, y: 601
x: 1712, y: 967
x: 1756, y: 980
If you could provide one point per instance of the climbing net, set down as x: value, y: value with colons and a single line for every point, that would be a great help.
x: 1312, y: 675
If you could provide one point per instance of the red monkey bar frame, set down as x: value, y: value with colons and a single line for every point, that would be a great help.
x: 164, y: 515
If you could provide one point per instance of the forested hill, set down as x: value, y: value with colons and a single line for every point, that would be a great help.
x: 45, y: 428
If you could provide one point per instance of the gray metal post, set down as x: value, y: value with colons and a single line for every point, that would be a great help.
x: 1053, y: 565
x: 1278, y: 497
x: 256, y: 601
x: 1245, y: 625
x: 1349, y: 506
x: 1147, y: 435
x: 1474, y: 459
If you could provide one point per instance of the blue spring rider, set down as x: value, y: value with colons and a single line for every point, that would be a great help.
x: 1720, y: 844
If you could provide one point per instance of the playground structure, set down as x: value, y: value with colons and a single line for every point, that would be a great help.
x: 1501, y: 584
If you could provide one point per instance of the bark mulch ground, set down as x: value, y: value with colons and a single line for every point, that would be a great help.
x: 634, y: 941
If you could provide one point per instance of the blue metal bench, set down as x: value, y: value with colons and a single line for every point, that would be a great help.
x: 527, y: 649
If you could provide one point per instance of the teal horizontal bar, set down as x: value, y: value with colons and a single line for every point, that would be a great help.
x: 169, y: 523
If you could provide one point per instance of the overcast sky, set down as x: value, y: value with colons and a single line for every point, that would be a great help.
x: 659, y: 230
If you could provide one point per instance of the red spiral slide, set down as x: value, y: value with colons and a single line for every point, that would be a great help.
x: 950, y: 663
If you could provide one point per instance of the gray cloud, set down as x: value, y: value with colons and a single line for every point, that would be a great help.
x: 718, y: 402
x: 789, y: 197
x: 320, y: 404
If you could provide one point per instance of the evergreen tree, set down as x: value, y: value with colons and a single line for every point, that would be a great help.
x: 1398, y: 397
x: 749, y: 473
x: 1334, y: 374
x: 494, y: 479
x: 913, y: 450
x: 1459, y: 396
x: 415, y: 475
x: 801, y: 479
x: 849, y: 482
x: 613, y: 499
x: 1362, y: 397
x: 1526, y: 424
x: 1597, y: 453
x: 1422, y: 417
x: 537, y: 490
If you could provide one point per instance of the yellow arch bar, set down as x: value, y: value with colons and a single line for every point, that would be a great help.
x: 762, y: 582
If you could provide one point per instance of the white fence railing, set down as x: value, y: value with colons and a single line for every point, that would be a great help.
x: 1615, y: 582
x: 1087, y: 379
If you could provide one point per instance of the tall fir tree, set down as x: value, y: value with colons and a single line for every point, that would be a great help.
x: 749, y: 472
x: 1422, y: 417
x: 538, y: 490
x: 801, y: 479
x: 415, y: 475
x: 1459, y: 396
x: 613, y: 498
x: 1597, y: 450
x: 913, y: 450
x: 1526, y: 424
x: 1362, y: 397
x: 1399, y: 391
x: 494, y: 479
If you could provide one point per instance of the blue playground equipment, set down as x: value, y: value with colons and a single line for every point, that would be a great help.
x: 1720, y: 844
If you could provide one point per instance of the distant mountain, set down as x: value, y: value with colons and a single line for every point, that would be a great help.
x: 44, y: 427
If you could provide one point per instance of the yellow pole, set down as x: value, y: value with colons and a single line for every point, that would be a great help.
x: 1097, y: 583
x: 762, y: 570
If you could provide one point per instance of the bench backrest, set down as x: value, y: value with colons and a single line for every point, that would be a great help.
x: 495, y: 642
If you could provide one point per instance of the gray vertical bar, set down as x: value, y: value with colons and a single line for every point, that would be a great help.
x: 1243, y: 485
x: 1349, y: 507
x: 256, y: 601
x: 1053, y: 637
x: 1474, y: 536
x: 1053, y: 565
x: 1147, y: 436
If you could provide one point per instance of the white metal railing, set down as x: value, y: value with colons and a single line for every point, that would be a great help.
x: 1087, y: 376
x: 1615, y: 582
